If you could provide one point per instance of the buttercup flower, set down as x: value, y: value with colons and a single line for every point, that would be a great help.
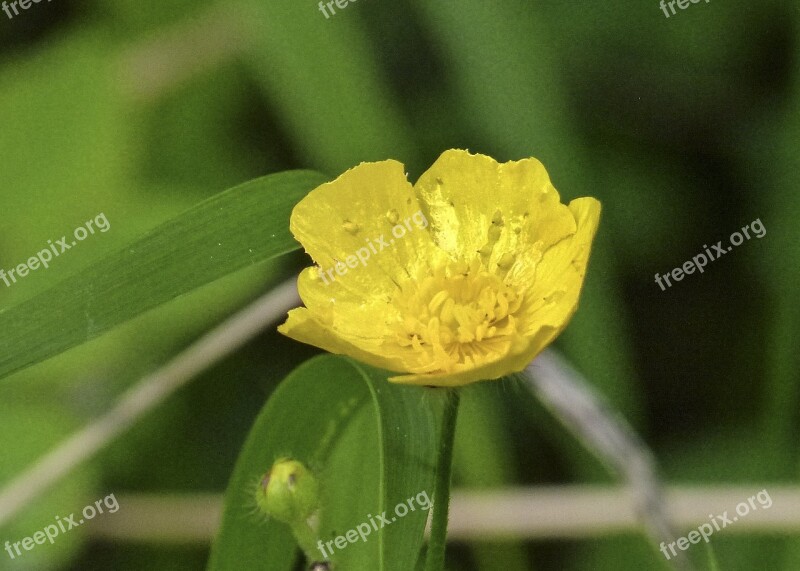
x: 466, y: 275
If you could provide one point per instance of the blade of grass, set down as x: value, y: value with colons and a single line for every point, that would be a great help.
x: 242, y: 226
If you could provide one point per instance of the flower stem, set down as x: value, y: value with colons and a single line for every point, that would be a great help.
x: 441, y: 490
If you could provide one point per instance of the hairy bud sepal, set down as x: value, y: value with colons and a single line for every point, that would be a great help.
x: 289, y: 492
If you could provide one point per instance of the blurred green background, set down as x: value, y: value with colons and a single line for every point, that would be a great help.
x: 686, y: 128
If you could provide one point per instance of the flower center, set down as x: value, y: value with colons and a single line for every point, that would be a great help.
x: 460, y: 317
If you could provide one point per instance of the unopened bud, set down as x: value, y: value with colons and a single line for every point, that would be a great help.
x: 289, y: 492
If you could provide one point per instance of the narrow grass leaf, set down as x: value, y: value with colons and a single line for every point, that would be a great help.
x: 239, y: 227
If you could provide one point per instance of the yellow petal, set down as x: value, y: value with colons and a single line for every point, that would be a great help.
x: 469, y: 196
x: 559, y: 275
x: 368, y: 225
x: 302, y: 326
x: 360, y: 322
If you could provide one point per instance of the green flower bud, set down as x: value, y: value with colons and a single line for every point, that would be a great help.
x: 289, y: 492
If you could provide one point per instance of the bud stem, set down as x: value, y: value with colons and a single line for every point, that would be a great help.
x: 307, y: 540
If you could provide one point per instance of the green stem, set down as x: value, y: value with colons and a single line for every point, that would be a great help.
x: 307, y: 540
x: 441, y: 490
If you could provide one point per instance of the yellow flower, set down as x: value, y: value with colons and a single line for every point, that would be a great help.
x: 465, y: 276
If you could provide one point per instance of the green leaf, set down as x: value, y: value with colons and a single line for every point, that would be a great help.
x: 371, y: 444
x: 237, y: 228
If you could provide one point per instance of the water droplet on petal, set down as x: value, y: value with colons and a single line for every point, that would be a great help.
x: 351, y: 227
